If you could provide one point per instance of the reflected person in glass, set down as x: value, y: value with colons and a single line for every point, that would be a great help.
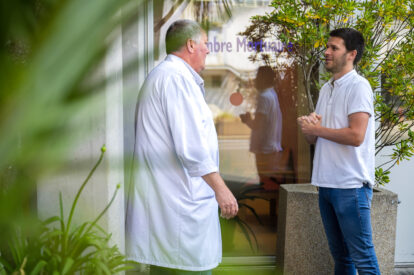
x: 266, y: 126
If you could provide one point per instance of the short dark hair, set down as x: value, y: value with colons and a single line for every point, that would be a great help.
x: 265, y: 77
x: 353, y: 40
x: 179, y: 32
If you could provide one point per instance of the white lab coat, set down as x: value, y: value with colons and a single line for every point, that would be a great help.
x: 172, y: 213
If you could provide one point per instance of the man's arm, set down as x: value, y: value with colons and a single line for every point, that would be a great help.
x: 353, y: 135
x: 311, y: 139
x: 190, y: 141
x: 255, y: 123
x: 225, y: 198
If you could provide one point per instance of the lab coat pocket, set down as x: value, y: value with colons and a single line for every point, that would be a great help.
x: 200, y: 190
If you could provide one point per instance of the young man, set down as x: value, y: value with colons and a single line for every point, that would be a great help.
x: 343, y: 129
x: 172, y: 213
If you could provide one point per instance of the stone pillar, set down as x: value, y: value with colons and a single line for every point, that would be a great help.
x: 302, y: 248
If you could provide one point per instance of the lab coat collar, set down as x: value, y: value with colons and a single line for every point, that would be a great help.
x: 196, y: 76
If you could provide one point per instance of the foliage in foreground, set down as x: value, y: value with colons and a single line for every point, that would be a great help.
x: 50, y: 52
x: 58, y: 247
x: 387, y: 63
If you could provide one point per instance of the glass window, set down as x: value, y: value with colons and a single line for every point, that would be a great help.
x: 254, y: 109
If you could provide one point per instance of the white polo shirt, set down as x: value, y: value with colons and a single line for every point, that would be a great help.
x: 337, y: 165
x: 269, y: 139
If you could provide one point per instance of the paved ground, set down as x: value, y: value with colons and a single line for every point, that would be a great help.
x: 404, y: 271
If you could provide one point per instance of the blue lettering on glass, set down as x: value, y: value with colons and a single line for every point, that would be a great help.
x: 242, y: 45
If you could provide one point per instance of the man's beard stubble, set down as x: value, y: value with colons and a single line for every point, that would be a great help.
x: 337, y: 66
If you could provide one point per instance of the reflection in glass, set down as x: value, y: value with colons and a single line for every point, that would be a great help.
x: 266, y: 126
x: 253, y: 162
x: 257, y: 138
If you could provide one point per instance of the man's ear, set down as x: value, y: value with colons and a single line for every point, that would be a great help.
x: 353, y: 54
x: 190, y: 45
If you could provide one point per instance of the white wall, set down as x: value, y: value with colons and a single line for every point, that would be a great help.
x: 101, y: 124
x: 108, y: 120
x: 402, y: 183
x: 137, y: 47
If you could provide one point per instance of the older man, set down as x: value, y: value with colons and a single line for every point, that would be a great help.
x: 172, y: 215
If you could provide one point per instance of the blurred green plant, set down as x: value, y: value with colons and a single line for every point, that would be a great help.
x: 225, y: 116
x: 304, y: 26
x: 61, y: 248
x: 50, y: 52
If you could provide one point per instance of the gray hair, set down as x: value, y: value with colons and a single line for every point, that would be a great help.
x: 179, y: 32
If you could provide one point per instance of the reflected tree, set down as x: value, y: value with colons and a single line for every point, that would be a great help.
x: 303, y: 27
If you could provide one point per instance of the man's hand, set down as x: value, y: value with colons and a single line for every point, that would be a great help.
x: 246, y: 118
x: 352, y: 135
x: 227, y: 203
x: 310, y: 125
x: 225, y: 198
x: 312, y: 118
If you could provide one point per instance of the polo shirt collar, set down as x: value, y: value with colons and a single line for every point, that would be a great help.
x: 343, y: 79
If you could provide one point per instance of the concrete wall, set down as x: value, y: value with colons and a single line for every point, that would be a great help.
x: 302, y: 248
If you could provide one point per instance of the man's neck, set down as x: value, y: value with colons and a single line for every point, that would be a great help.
x: 343, y: 72
x: 184, y: 57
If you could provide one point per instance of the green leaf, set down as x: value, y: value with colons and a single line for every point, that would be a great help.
x: 38, y: 267
x: 102, y: 267
x: 51, y: 220
x: 5, y: 264
x: 62, y: 218
x: 67, y: 266
x: 246, y: 229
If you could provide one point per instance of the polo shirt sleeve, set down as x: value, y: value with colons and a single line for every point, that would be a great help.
x: 183, y: 103
x: 321, y: 95
x: 318, y: 106
x: 361, y: 99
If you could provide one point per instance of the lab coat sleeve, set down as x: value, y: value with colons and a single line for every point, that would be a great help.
x: 184, y: 106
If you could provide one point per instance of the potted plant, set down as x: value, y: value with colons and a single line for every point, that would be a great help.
x: 243, y: 194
